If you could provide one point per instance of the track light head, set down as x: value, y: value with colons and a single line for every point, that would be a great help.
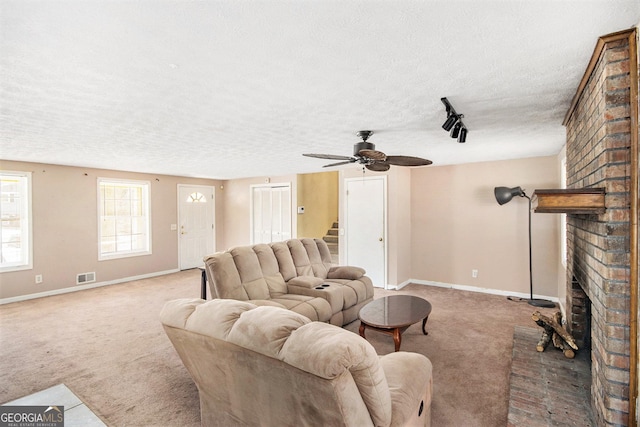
x: 451, y: 120
x: 456, y: 130
x: 462, y: 136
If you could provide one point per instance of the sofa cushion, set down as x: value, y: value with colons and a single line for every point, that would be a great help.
x: 250, y: 272
x: 224, y: 278
x: 285, y: 260
x: 265, y: 329
x: 345, y: 272
x: 318, y: 266
x: 270, y: 270
x: 195, y: 315
x: 315, y: 308
x: 300, y: 257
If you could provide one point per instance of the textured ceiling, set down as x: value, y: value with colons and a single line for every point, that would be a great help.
x: 231, y: 89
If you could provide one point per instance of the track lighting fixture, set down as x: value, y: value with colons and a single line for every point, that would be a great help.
x: 454, y: 122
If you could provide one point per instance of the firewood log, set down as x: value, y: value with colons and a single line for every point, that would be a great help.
x: 541, y: 320
x: 544, y: 341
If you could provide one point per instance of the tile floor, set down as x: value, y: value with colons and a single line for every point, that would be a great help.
x: 76, y: 413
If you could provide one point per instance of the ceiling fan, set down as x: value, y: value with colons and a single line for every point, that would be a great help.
x: 365, y: 153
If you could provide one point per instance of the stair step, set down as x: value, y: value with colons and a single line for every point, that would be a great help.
x: 335, y: 225
x: 330, y: 239
x: 332, y: 232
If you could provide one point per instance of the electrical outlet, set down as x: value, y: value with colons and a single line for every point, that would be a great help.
x: 38, y: 278
x: 474, y: 273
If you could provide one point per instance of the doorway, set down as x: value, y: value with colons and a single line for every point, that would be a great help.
x: 196, y: 219
x: 366, y: 226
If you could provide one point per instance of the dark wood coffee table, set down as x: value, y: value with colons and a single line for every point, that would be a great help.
x: 393, y: 315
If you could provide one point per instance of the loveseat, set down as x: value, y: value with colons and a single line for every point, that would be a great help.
x: 296, y: 274
x: 270, y: 366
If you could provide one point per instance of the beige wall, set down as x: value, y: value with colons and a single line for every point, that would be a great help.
x: 318, y: 193
x: 65, y: 228
x: 457, y: 226
x: 443, y: 221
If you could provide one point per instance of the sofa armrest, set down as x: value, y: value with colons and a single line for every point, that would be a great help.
x: 345, y: 272
x: 410, y: 380
x: 305, y: 282
x: 316, y: 287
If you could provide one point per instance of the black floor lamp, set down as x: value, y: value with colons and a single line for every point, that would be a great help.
x: 504, y: 195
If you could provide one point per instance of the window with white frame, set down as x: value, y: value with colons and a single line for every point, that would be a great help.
x: 124, y: 218
x: 15, y: 225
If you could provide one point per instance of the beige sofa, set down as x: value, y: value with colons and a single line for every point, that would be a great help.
x: 269, y: 366
x: 296, y: 274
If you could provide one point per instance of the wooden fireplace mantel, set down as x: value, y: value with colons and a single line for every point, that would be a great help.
x: 571, y: 201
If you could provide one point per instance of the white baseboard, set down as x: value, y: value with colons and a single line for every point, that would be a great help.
x: 474, y: 289
x: 84, y: 287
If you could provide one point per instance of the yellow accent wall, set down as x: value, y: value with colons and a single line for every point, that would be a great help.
x: 318, y: 193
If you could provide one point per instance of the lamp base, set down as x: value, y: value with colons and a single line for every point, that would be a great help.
x: 541, y: 303
x: 536, y: 302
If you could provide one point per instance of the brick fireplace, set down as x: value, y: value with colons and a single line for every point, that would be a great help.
x: 601, y: 131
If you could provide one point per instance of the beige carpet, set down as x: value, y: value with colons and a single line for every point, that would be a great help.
x: 108, y: 346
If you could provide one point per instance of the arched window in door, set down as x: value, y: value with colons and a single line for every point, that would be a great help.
x: 196, y: 198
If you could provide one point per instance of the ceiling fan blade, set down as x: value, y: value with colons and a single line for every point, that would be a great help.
x: 378, y: 167
x: 372, y: 154
x: 328, y: 156
x: 407, y: 161
x: 340, y: 163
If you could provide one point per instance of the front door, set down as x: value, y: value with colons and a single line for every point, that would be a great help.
x: 365, y: 243
x: 196, y: 218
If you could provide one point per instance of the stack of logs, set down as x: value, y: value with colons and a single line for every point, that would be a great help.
x: 554, y: 332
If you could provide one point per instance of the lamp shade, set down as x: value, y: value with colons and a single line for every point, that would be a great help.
x: 505, y: 194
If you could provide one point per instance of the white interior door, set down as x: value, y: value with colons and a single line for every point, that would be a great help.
x: 365, y: 228
x: 196, y: 219
x: 270, y: 213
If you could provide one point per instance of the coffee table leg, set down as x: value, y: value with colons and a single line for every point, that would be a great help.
x: 397, y: 338
x: 424, y: 322
x: 361, y: 330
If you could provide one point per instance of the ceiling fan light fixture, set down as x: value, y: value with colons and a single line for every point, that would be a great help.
x: 365, y: 153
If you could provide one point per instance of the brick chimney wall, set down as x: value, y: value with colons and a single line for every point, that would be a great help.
x: 598, y: 257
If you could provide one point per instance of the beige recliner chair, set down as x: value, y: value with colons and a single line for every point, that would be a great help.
x: 270, y: 366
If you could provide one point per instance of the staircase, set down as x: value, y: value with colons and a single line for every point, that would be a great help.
x: 332, y: 242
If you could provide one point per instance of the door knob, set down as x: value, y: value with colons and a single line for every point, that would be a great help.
x: 380, y: 239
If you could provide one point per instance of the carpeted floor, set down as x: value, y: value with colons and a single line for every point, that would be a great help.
x: 108, y: 346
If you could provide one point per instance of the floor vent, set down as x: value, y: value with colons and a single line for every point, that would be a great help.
x: 85, y: 278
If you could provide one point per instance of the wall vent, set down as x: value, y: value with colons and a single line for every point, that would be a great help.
x: 85, y: 278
